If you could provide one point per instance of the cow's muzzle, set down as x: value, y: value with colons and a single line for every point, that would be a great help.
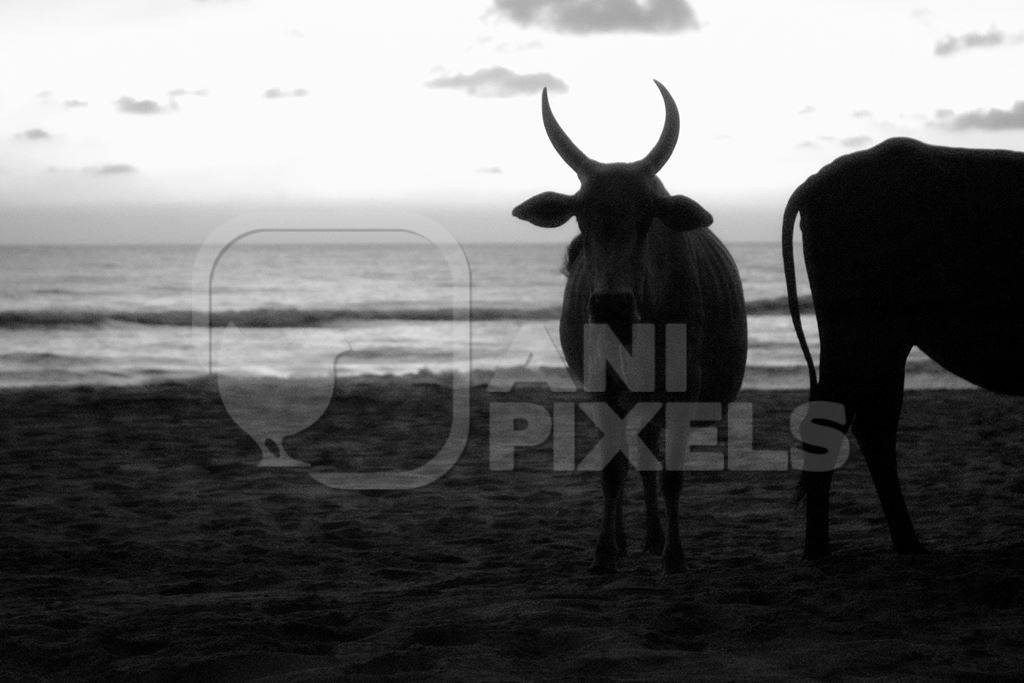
x: 618, y: 311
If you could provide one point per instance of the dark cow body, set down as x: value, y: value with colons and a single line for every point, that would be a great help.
x: 680, y: 277
x: 644, y: 256
x: 907, y: 244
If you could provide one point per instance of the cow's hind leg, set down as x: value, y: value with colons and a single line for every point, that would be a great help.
x: 816, y: 480
x: 620, y: 526
x: 612, y: 478
x: 866, y: 378
x: 862, y: 363
x: 815, y: 488
x: 875, y: 427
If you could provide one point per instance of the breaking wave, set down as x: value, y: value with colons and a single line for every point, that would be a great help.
x: 298, y: 317
x: 262, y: 317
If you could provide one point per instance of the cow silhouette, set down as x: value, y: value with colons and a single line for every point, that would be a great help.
x: 644, y: 256
x: 906, y: 244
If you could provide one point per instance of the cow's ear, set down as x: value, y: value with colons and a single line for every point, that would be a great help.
x: 548, y: 209
x: 681, y: 213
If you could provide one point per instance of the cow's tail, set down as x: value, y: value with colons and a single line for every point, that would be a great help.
x: 788, y: 223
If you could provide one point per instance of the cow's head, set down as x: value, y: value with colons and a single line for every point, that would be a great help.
x: 615, y: 207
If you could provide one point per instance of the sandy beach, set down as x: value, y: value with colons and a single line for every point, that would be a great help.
x: 139, y: 540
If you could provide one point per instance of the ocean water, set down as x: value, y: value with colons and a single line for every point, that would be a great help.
x: 125, y: 314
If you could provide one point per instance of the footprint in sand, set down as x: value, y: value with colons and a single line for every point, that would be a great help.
x: 269, y: 408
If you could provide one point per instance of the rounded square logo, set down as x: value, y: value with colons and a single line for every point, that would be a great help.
x: 245, y: 343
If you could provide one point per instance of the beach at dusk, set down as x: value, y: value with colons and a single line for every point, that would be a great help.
x: 511, y: 340
x: 140, y: 540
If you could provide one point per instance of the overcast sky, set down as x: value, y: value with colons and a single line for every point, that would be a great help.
x: 171, y: 103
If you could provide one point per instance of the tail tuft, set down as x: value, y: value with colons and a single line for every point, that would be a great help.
x: 801, y: 490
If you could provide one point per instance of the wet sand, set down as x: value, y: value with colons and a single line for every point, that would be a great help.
x: 138, y: 539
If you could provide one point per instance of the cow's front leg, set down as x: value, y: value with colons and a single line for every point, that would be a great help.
x: 677, y: 439
x: 654, y: 539
x: 612, y: 478
x: 672, y: 556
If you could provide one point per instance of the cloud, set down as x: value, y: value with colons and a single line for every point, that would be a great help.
x: 921, y: 14
x: 74, y: 104
x: 130, y: 105
x: 178, y: 92
x: 278, y: 93
x: 986, y: 119
x: 111, y: 169
x: 861, y: 114
x: 173, y: 95
x: 34, y: 134
x: 512, y: 46
x: 856, y: 141
x: 600, y: 16
x: 852, y: 142
x: 809, y: 109
x: 991, y: 38
x: 489, y: 170
x: 497, y: 81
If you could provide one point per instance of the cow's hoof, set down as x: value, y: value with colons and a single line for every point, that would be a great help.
x: 914, y: 547
x: 817, y: 551
x: 653, y: 546
x: 654, y: 543
x: 673, y: 561
x: 606, y: 556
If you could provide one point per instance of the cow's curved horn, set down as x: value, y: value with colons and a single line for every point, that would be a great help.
x: 570, y: 153
x: 657, y: 157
